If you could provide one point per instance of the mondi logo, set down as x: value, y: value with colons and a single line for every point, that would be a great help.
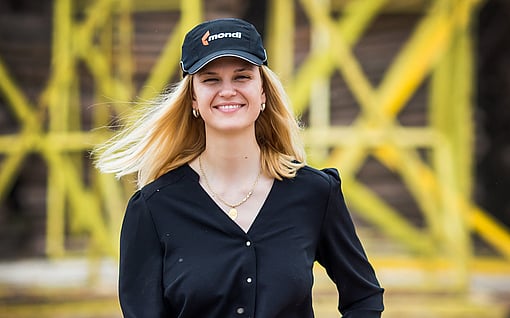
x: 207, y: 37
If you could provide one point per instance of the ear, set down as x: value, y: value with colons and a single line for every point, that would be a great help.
x: 193, y: 99
x: 191, y: 89
x: 263, y: 97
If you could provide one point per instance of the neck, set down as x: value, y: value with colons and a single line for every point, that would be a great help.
x: 235, y: 156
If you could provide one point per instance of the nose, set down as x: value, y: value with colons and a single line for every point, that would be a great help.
x: 227, y: 89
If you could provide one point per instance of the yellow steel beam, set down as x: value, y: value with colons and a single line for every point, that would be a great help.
x: 69, y: 197
x: 16, y: 100
x: 15, y: 149
x: 428, y: 43
x: 418, y: 176
x: 440, y: 45
x: 451, y: 105
x: 488, y: 228
x: 59, y: 98
x: 342, y: 57
x: 379, y: 213
x: 281, y: 37
x: 318, y: 63
x: 421, y: 185
x: 400, y: 7
x: 491, y: 230
x: 434, y: 37
x: 116, y: 86
x: 167, y: 63
x: 24, y: 113
x: 124, y: 63
x: 156, y: 5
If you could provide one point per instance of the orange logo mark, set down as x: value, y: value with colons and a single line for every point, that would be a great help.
x: 204, y: 38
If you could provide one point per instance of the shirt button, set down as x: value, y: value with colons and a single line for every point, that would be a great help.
x: 248, y: 243
x: 240, y: 310
x: 249, y: 280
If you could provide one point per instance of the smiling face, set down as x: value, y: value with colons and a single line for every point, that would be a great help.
x: 228, y: 93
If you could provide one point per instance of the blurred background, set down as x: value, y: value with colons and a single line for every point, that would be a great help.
x: 409, y: 99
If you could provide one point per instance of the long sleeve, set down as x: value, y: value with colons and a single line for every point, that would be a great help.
x: 140, y: 271
x: 342, y: 255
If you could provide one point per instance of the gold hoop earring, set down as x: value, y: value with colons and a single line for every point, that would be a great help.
x: 195, y: 113
x: 262, y: 107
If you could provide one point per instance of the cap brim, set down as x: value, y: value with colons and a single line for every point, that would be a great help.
x: 232, y: 53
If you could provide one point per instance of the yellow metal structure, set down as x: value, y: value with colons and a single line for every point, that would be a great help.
x: 95, y: 209
x: 439, y: 48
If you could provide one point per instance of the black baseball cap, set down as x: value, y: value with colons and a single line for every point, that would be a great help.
x: 218, y: 38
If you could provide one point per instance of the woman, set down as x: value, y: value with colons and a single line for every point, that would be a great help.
x: 228, y: 220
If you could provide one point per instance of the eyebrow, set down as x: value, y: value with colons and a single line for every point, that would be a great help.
x: 238, y: 70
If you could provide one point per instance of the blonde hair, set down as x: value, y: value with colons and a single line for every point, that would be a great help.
x: 165, y: 136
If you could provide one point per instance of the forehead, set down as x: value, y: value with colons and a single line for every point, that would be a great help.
x: 228, y: 62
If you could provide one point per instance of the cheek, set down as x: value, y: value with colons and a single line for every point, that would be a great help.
x: 260, y: 96
x: 201, y: 98
x: 199, y: 94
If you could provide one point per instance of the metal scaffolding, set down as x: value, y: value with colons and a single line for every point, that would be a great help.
x: 439, y: 48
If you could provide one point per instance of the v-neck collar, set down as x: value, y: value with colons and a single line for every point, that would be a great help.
x: 196, y: 177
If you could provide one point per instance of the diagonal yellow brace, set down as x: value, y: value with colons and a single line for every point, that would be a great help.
x: 85, y: 208
x: 165, y: 66
x: 419, y: 182
x: 340, y: 50
x: 373, y: 209
x: 319, y: 64
x: 356, y: 17
x: 420, y: 54
x: 342, y: 57
x: 488, y: 228
x: 167, y: 63
x: 21, y: 107
x: 16, y: 147
x: 10, y: 167
x: 110, y: 86
x: 97, y: 15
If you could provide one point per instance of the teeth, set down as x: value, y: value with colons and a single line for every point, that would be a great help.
x: 227, y: 107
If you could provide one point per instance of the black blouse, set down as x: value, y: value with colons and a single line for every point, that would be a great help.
x: 181, y: 256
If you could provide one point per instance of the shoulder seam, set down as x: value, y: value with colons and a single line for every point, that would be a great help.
x: 154, y: 187
x: 317, y: 172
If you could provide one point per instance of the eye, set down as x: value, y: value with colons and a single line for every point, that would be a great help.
x: 209, y: 80
x: 242, y: 77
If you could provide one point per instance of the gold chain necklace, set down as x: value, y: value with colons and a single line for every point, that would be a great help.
x: 232, y: 213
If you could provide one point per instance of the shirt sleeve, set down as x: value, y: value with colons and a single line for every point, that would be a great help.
x: 140, y: 265
x: 341, y: 253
